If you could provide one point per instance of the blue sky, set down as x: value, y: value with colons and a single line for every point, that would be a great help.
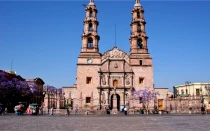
x: 44, y: 38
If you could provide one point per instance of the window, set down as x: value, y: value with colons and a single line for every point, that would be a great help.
x: 141, y: 80
x: 90, y: 43
x: 87, y: 99
x: 197, y: 92
x: 90, y: 27
x: 138, y: 14
x: 140, y: 100
x: 139, y: 27
x: 140, y: 62
x: 186, y: 91
x: 115, y: 83
x: 139, y: 43
x: 91, y: 13
x: 89, y: 80
x: 182, y: 91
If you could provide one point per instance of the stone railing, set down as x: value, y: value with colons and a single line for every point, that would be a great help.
x: 81, y: 111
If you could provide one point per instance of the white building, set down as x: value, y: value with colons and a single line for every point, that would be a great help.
x: 193, y: 89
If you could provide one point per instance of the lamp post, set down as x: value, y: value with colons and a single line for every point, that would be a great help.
x: 166, y: 101
x: 187, y: 83
x: 202, y: 99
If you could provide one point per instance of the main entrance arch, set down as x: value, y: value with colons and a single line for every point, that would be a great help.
x: 118, y: 102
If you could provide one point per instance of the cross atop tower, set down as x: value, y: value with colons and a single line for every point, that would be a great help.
x: 91, y: 2
x: 137, y: 3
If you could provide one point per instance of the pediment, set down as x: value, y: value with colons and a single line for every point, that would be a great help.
x: 115, y: 54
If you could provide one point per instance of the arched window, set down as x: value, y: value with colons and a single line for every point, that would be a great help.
x: 139, y: 27
x: 115, y: 83
x: 138, y: 14
x: 90, y: 42
x: 91, y: 13
x: 90, y: 27
x: 139, y: 43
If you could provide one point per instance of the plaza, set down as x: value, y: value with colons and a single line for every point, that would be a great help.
x: 170, y: 122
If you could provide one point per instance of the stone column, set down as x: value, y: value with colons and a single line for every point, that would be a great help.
x: 99, y: 99
x: 58, y: 101
x: 114, y: 109
x: 107, y: 98
x: 91, y: 101
x: 46, y: 103
x: 123, y: 98
x: 131, y: 110
x: 80, y: 99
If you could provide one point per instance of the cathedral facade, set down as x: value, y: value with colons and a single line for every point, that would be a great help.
x: 108, y: 79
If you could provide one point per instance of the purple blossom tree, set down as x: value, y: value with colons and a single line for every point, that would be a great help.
x: 14, y: 89
x: 52, y: 89
x: 147, y: 95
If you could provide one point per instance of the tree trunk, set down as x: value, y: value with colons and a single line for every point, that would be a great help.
x: 147, y: 108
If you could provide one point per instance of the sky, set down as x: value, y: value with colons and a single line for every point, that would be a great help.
x: 43, y: 38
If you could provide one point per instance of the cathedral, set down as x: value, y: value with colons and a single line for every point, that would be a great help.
x: 108, y: 79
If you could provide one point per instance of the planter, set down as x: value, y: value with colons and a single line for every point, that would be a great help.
x: 160, y: 112
x: 190, y: 112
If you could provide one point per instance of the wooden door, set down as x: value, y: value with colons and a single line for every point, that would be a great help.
x: 115, y: 83
x: 160, y: 104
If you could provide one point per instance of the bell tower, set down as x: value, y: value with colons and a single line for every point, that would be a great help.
x: 138, y: 38
x: 90, y: 36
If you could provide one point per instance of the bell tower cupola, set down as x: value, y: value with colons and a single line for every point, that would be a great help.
x: 138, y: 38
x: 139, y: 54
x: 90, y: 36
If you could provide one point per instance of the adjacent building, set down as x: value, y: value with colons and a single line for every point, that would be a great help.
x: 193, y: 89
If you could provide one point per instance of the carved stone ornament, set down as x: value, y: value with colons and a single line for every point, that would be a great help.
x: 115, y: 53
x: 115, y: 65
x: 103, y: 79
x: 127, y: 79
x: 127, y: 82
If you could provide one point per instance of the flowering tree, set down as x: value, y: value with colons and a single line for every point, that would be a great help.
x: 14, y: 88
x: 52, y: 89
x: 146, y: 95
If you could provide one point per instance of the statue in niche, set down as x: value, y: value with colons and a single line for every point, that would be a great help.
x: 115, y: 65
x: 103, y: 98
x: 127, y: 79
x: 103, y: 79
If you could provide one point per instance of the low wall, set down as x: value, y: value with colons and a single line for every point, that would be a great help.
x: 64, y: 111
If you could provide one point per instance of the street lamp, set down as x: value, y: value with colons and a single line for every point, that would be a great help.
x: 202, y: 99
x: 166, y: 101
x: 187, y: 83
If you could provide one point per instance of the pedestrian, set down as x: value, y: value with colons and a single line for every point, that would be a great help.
x: 5, y: 111
x: 51, y: 113
x: 67, y: 109
x: 76, y: 111
x: 202, y: 110
x: 125, y: 110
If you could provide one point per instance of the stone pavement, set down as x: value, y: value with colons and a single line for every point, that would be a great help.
x: 105, y: 123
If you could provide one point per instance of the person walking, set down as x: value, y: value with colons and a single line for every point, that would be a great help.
x: 125, y: 110
x: 76, y: 111
x: 67, y: 109
x: 5, y: 110
x: 51, y: 113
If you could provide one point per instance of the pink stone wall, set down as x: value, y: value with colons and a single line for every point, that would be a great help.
x: 84, y: 71
x: 144, y: 72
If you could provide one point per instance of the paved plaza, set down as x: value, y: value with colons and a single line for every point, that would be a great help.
x: 105, y: 123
